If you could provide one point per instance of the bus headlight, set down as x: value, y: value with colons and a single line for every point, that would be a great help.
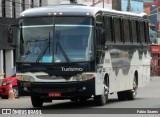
x: 25, y: 78
x: 82, y: 77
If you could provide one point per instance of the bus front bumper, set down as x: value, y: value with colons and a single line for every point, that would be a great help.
x: 65, y: 90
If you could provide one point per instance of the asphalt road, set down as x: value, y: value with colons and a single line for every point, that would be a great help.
x: 147, y: 97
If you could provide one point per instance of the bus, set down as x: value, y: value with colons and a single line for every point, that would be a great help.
x: 78, y: 52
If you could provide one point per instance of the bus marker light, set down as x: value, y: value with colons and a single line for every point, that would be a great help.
x: 49, y: 13
x: 55, y: 13
x: 60, y: 13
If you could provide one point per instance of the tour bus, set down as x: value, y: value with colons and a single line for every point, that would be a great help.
x: 78, y: 52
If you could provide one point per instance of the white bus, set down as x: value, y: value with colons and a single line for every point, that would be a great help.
x: 78, y: 52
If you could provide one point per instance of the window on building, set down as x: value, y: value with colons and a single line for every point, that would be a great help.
x: 3, y: 8
x: 13, y: 8
x: 117, y: 31
x: 108, y: 28
x: 23, y: 5
x: 32, y: 3
x: 126, y: 30
x: 40, y: 3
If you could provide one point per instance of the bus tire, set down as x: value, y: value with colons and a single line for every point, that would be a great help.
x: 101, y: 100
x: 131, y: 94
x: 36, y: 101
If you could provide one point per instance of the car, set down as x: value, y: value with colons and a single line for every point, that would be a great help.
x: 4, y: 87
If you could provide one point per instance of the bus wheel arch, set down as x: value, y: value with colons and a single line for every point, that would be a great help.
x: 101, y: 100
x: 106, y: 79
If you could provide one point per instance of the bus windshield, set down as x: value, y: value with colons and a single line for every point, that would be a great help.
x: 55, y: 39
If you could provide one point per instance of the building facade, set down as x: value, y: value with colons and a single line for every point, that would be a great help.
x: 151, y: 7
x: 9, y: 12
x: 135, y: 6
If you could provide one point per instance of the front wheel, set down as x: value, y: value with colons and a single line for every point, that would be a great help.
x: 101, y: 100
x: 36, y: 101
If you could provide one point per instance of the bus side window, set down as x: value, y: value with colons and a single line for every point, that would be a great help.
x: 108, y: 28
x: 147, y: 32
x: 134, y: 31
x: 117, y: 31
x: 126, y: 29
x: 138, y: 31
x: 142, y: 33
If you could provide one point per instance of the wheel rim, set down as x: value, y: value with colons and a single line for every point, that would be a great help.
x: 105, y: 94
x: 134, y: 88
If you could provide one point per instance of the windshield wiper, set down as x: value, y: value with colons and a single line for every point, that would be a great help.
x: 44, y: 50
x: 61, y: 48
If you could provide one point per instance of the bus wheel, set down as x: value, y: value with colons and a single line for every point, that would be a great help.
x: 132, y: 93
x: 36, y: 101
x: 101, y: 100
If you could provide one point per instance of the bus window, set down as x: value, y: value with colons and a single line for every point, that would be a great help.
x: 108, y: 28
x: 117, y: 31
x: 142, y: 36
x: 126, y: 30
x: 147, y: 32
x: 134, y: 31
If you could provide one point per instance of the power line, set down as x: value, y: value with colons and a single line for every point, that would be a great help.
x: 154, y: 14
x: 155, y: 9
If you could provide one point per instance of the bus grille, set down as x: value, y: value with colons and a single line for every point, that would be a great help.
x: 46, y: 90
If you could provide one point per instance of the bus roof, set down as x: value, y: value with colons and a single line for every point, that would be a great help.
x: 75, y: 10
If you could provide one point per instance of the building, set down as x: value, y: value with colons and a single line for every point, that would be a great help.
x: 9, y: 12
x: 151, y: 7
x: 135, y: 6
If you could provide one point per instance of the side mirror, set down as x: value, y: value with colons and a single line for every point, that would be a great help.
x: 10, y: 34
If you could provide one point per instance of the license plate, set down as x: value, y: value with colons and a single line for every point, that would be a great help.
x: 54, y: 94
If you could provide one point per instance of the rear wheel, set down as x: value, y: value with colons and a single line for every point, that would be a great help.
x: 132, y: 93
x: 36, y: 101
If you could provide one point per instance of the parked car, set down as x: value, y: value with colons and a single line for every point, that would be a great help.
x: 4, y: 87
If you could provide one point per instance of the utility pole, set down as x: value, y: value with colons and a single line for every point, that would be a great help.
x: 116, y: 4
x: 129, y: 5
